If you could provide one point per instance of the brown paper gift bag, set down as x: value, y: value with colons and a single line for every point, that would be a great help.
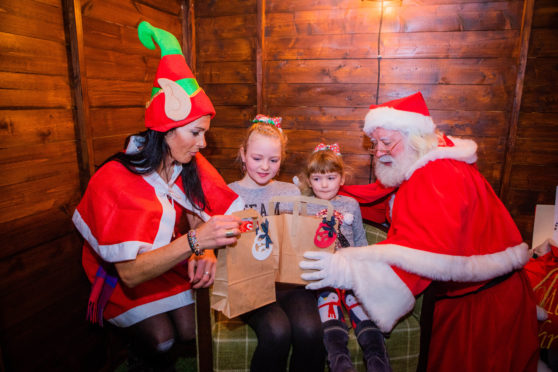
x: 297, y: 234
x: 245, y: 276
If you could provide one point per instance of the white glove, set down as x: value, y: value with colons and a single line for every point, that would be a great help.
x: 332, y: 270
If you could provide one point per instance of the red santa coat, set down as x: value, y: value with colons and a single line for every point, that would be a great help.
x: 449, y: 226
x: 123, y: 214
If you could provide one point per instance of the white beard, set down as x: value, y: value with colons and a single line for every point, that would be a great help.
x: 393, y: 175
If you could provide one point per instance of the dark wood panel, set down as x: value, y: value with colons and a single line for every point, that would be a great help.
x: 543, y: 43
x: 33, y: 19
x: 105, y: 146
x: 22, y: 48
x: 537, y: 125
x: 316, y: 5
x: 466, y: 44
x: 101, y: 34
x: 534, y: 178
x: 471, y: 123
x: 225, y: 137
x: 539, y: 90
x: 39, y: 195
x: 536, y: 151
x: 130, y: 12
x: 226, y: 27
x: 121, y: 93
x: 521, y: 204
x: 87, y: 355
x: 233, y: 116
x: 48, y: 225
x: 322, y: 47
x: 37, y: 82
x: 231, y: 94
x: 216, y: 8
x: 116, y: 65
x: 395, y: 71
x: 225, y: 50
x: 320, y: 118
x: 22, y: 164
x: 32, y: 64
x: 350, y: 142
x: 54, y: 3
x: 464, y: 97
x: 541, y: 71
x: 108, y: 121
x: 488, y: 16
x: 47, y: 311
x: 227, y: 72
x: 33, y: 98
x: 289, y: 6
x: 453, y: 122
x: 545, y: 14
x: 540, y: 98
x: 172, y: 7
x: 35, y: 127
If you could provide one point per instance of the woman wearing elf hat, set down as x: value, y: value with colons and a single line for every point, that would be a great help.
x: 141, y: 267
x: 449, y: 232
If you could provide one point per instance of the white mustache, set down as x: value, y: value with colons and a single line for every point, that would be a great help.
x: 385, y: 159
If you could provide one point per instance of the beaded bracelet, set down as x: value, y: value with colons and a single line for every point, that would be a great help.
x: 194, y: 244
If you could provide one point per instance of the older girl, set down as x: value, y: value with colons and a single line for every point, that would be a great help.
x: 293, y: 319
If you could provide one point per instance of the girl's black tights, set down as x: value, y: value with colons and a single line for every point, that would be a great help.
x: 291, y: 321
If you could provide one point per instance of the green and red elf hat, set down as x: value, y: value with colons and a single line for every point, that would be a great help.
x: 176, y: 97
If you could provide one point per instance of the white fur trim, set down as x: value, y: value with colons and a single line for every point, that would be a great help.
x: 444, y: 267
x: 236, y: 206
x: 109, y: 252
x: 464, y: 150
x: 390, y: 118
x: 385, y: 296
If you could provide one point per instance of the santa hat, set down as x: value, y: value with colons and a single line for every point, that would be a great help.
x: 176, y: 97
x: 407, y: 114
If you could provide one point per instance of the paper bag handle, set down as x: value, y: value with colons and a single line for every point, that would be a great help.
x: 248, y: 213
x: 299, y: 203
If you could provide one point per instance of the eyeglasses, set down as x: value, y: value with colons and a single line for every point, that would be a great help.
x: 384, y: 146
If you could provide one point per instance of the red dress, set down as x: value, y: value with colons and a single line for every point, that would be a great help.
x: 449, y: 227
x: 123, y: 214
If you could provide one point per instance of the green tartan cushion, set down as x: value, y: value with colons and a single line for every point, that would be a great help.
x: 234, y: 342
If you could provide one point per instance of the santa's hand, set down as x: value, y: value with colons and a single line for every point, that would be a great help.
x: 332, y: 270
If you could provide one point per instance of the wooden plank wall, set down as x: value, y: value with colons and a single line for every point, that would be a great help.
x: 39, y: 260
x: 534, y: 170
x: 226, y: 38
x: 43, y: 290
x: 321, y: 70
x: 316, y: 63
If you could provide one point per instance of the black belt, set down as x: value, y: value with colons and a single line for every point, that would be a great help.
x: 487, y: 285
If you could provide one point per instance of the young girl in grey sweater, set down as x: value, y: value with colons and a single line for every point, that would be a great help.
x: 293, y: 320
x: 323, y: 176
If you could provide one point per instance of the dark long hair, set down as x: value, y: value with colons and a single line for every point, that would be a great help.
x: 149, y: 158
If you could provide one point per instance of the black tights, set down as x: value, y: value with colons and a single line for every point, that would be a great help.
x: 152, y: 338
x: 292, y: 320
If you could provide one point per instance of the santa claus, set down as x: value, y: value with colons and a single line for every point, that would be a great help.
x: 449, y: 233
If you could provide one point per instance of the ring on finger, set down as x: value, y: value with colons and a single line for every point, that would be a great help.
x: 206, y: 273
x: 229, y: 234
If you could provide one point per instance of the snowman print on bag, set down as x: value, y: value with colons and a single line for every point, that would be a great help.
x: 262, y: 247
